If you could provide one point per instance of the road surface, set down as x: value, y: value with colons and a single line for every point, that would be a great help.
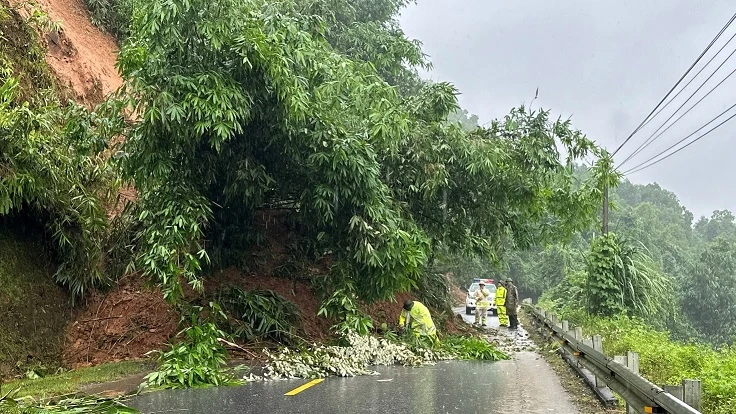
x: 491, y: 321
x: 525, y: 384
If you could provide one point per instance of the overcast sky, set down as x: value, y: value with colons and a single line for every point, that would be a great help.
x: 606, y: 64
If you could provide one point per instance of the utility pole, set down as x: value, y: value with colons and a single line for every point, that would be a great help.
x: 605, y: 208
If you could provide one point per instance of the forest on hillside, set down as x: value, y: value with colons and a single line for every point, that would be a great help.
x: 690, y: 260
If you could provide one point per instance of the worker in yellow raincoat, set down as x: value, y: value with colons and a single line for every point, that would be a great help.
x: 415, y: 317
x: 482, y: 298
x: 500, y: 301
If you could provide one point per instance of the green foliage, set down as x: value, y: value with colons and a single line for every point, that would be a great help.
x: 22, y: 56
x: 604, y: 290
x: 656, y: 218
x: 274, y: 104
x: 268, y: 82
x: 260, y: 314
x: 481, y: 192
x: 462, y: 267
x: 198, y: 360
x: 468, y: 121
x: 52, y: 168
x: 463, y: 347
x: 721, y: 224
x: 664, y: 361
x: 369, y: 31
x: 167, y: 240
x: 433, y: 290
x: 70, y: 382
x: 51, y: 162
x: 719, y: 383
x: 623, y: 278
x: 70, y: 405
x: 709, y: 298
x: 112, y: 15
x: 539, y: 269
x: 568, y: 295
x: 342, y: 306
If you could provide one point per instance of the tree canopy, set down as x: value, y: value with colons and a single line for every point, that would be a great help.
x: 261, y: 104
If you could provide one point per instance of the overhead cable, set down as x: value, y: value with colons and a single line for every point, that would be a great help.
x: 654, y: 135
x: 652, y: 161
x: 677, y: 84
x: 691, y: 80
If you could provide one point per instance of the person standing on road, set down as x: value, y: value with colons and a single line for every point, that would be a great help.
x: 500, y: 301
x: 415, y: 318
x: 512, y: 303
x: 482, y: 303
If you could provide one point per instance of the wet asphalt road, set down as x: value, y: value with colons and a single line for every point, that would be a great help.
x: 525, y: 384
x: 491, y: 321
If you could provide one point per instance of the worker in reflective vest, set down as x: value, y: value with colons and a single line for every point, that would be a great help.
x: 482, y: 303
x: 415, y: 317
x: 500, y: 301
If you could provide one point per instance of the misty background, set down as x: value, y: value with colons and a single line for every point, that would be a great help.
x: 605, y: 65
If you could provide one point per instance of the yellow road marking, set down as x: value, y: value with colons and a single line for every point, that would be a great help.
x: 310, y: 384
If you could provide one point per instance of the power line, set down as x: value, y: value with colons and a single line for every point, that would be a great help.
x: 677, y: 84
x: 689, y: 109
x: 650, y: 140
x: 642, y: 166
x: 691, y: 80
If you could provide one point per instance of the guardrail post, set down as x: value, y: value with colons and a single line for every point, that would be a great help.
x: 598, y: 343
x: 542, y: 315
x: 624, y: 360
x: 565, y: 326
x: 632, y: 359
x: 692, y: 393
x: 598, y: 346
x: 675, y: 390
x: 579, y: 333
x: 632, y: 363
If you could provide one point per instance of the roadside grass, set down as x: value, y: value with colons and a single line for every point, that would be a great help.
x: 663, y: 360
x: 69, y: 382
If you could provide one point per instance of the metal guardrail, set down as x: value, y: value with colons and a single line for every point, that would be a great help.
x: 641, y: 395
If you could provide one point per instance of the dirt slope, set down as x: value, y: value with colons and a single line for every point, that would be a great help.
x: 123, y: 323
x: 81, y: 55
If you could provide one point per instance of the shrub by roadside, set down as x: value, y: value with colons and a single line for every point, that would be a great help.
x: 664, y: 361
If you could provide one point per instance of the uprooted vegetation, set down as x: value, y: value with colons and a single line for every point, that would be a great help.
x: 359, y: 353
x: 74, y: 404
x: 199, y: 359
